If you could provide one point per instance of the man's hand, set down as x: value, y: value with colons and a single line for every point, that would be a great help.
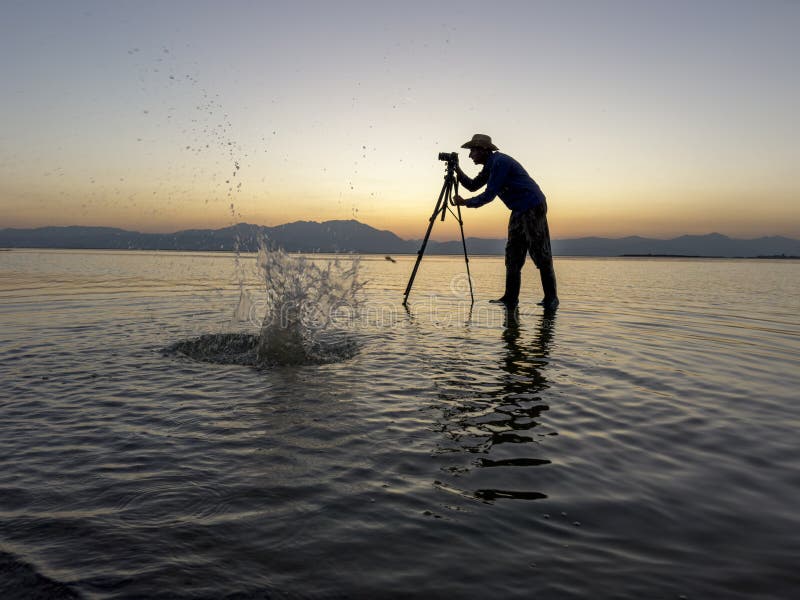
x: 459, y: 201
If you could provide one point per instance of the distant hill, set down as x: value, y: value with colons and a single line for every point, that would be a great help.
x: 712, y: 244
x: 353, y: 236
x: 300, y: 236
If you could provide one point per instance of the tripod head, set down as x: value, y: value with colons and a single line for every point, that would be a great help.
x: 449, y: 157
x: 450, y: 180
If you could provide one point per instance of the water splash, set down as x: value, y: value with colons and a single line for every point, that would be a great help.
x: 307, y: 304
x: 220, y: 348
x: 309, y: 307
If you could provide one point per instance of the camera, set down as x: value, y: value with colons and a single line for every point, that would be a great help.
x: 449, y: 157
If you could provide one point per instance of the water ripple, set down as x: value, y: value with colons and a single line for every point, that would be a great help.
x: 639, y: 443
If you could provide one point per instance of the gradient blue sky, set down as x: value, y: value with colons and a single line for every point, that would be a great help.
x: 635, y: 117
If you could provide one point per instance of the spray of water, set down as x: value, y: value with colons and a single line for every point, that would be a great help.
x: 310, y: 307
x: 306, y: 304
x: 309, y: 304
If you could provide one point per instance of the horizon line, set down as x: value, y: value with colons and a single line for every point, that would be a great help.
x: 241, y: 223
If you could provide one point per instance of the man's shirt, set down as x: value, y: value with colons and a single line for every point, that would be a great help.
x: 505, y: 177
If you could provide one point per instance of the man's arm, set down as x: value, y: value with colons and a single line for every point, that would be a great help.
x: 496, y: 180
x: 472, y: 185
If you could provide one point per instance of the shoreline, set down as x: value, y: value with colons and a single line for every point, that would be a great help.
x: 389, y: 257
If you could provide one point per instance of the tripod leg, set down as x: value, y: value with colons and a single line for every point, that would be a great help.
x: 466, y: 256
x: 439, y: 207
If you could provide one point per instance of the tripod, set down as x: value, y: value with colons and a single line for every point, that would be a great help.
x: 443, y: 205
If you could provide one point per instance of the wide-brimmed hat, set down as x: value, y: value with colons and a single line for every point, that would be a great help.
x: 480, y: 140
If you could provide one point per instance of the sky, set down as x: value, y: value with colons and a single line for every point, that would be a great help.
x: 635, y: 117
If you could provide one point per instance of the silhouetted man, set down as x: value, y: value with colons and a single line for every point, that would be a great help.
x: 527, y: 227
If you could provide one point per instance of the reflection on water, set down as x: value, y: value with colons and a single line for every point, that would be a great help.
x: 655, y: 430
x: 503, y: 424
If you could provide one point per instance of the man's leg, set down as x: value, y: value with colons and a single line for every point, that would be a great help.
x: 548, y: 276
x: 516, y: 247
x: 538, y: 234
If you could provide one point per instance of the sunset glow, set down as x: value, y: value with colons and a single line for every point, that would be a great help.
x: 639, y: 118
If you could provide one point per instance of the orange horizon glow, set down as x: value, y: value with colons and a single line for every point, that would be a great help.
x: 487, y: 222
x: 635, y: 124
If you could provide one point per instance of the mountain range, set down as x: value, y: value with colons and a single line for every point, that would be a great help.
x: 353, y: 236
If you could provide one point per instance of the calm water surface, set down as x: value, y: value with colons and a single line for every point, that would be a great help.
x: 641, y: 443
